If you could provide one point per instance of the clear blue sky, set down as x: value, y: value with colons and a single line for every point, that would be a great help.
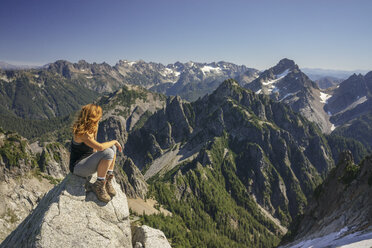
x: 334, y: 34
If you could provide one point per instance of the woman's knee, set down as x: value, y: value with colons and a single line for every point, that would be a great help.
x: 108, y: 154
x: 113, y: 148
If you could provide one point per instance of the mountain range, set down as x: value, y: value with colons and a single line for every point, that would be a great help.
x: 7, y: 66
x: 235, y: 161
x: 233, y: 143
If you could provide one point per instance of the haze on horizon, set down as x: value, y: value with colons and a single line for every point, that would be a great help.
x: 315, y: 34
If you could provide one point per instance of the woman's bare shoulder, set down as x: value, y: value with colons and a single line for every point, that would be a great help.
x: 84, y: 137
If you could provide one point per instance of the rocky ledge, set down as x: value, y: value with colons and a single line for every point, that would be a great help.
x: 145, y: 236
x: 68, y: 216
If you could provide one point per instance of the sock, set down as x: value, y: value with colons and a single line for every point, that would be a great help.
x: 110, y: 172
x: 101, y: 178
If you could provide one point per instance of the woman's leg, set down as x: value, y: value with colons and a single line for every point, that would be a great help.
x: 98, y: 162
x: 110, y: 175
x: 111, y: 167
x: 103, y: 167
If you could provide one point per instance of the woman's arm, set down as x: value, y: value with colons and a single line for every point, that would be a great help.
x: 91, y: 142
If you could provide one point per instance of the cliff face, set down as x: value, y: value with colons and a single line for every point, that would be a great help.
x: 341, y: 205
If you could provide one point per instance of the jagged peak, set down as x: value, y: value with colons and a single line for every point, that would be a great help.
x: 82, y: 61
x: 352, y: 80
x: 229, y: 82
x: 60, y: 63
x: 283, y: 65
x: 227, y: 88
x: 286, y: 62
x: 369, y: 74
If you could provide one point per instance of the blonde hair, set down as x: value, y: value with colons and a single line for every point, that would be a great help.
x: 87, y: 120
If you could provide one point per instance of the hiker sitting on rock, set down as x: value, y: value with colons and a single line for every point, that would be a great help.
x: 89, y: 156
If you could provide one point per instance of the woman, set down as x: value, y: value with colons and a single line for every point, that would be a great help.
x: 89, y: 156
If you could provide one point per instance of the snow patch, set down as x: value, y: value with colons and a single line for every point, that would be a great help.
x: 275, y: 90
x: 337, y: 239
x: 166, y: 72
x: 132, y: 63
x: 170, y: 72
x: 209, y: 69
x: 258, y: 91
x: 283, y: 74
x: 274, y: 81
x: 89, y: 77
x: 271, y: 82
x: 287, y: 95
x: 6, y: 79
x: 324, y: 97
x: 271, y: 85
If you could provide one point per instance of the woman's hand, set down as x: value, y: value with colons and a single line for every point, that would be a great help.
x: 118, y: 146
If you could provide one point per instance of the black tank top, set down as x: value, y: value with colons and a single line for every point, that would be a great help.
x: 78, y: 151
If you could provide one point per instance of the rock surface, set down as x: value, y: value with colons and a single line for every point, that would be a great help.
x: 18, y: 198
x: 136, y: 185
x: 341, y: 204
x: 69, y: 217
x: 145, y: 236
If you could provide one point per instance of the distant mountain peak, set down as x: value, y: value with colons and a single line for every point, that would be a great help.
x: 287, y: 62
x: 283, y: 65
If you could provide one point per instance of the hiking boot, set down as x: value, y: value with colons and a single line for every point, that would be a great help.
x: 109, y: 188
x: 99, y: 188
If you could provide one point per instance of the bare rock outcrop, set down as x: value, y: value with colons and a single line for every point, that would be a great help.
x: 145, y: 236
x: 54, y: 160
x: 69, y: 217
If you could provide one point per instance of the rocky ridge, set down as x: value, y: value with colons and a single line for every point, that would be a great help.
x: 351, y: 99
x: 189, y: 80
x: 340, y: 204
x: 270, y: 142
